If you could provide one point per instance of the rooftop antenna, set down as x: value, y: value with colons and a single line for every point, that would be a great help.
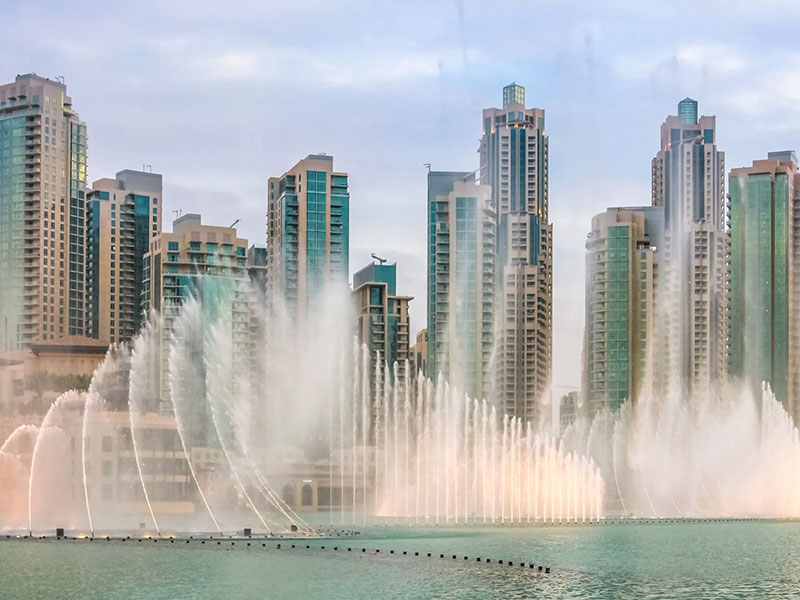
x: 147, y: 168
x: 178, y: 213
x: 234, y: 224
x: 427, y: 166
x: 378, y: 258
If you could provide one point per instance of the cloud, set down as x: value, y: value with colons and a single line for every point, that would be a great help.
x: 716, y: 60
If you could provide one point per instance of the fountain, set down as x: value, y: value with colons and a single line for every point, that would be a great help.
x: 201, y: 422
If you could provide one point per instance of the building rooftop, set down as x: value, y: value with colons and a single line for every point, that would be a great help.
x: 783, y: 156
x: 74, y: 344
x: 186, y: 221
x: 27, y: 76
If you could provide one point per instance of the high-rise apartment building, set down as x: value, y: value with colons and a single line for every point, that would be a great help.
x: 42, y: 213
x: 383, y: 322
x: 462, y: 245
x: 308, y: 211
x: 688, y: 180
x: 440, y: 183
x: 765, y: 277
x: 514, y: 163
x: 123, y: 216
x: 621, y: 276
x: 209, y: 263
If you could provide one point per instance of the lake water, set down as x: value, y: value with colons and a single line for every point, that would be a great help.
x: 751, y: 559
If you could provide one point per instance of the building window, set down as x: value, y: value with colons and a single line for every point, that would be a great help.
x: 306, y: 495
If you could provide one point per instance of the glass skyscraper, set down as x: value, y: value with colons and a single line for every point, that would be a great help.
x: 765, y: 225
x: 462, y: 249
x: 621, y: 275
x: 308, y: 216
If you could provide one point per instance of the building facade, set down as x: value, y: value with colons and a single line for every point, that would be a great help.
x: 514, y: 163
x: 440, y: 183
x: 205, y: 262
x: 764, y: 283
x: 383, y: 323
x: 308, y: 216
x: 688, y: 180
x: 419, y: 353
x: 123, y: 217
x: 42, y: 213
x: 462, y: 244
x: 621, y: 284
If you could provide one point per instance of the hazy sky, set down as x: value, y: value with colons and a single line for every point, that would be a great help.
x: 217, y: 99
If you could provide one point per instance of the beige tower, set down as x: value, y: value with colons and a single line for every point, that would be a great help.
x: 202, y: 261
x: 514, y: 162
x: 123, y: 216
x: 688, y: 180
x: 42, y: 213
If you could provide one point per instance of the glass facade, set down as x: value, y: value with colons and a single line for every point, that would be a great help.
x: 513, y: 93
x: 761, y: 238
x: 77, y: 224
x: 619, y: 314
x: 461, y: 281
x: 316, y: 230
x: 621, y: 268
x: 308, y: 214
x: 440, y: 183
x: 687, y: 111
x: 467, y: 317
x: 12, y: 229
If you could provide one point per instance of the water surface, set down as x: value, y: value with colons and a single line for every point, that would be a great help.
x: 755, y: 559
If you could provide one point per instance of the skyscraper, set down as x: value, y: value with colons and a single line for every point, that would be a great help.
x: 514, y: 163
x: 621, y: 275
x: 307, y: 230
x: 42, y: 213
x: 383, y: 322
x: 688, y: 180
x: 765, y: 282
x: 461, y: 281
x: 123, y: 216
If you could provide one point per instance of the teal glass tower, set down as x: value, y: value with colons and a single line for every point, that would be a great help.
x: 621, y: 274
x: 462, y: 247
x: 764, y: 280
x: 308, y: 216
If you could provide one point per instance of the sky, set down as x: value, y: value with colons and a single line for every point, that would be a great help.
x: 220, y: 96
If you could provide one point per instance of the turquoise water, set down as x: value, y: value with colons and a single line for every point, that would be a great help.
x: 756, y: 559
